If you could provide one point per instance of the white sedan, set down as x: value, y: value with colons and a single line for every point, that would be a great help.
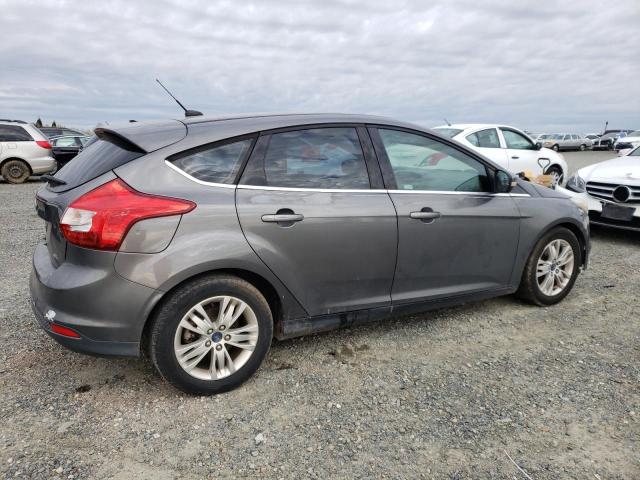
x: 610, y: 190
x: 509, y: 147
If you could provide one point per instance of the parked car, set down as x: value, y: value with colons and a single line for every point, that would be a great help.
x: 592, y: 136
x: 199, y: 240
x: 567, y: 141
x: 24, y: 151
x: 629, y: 141
x: 611, y: 190
x: 508, y: 147
x: 608, y: 139
x: 52, y: 132
x: 66, y: 148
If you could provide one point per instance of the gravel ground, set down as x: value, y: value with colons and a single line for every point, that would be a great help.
x: 449, y: 394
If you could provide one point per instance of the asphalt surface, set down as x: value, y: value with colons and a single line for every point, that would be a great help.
x: 461, y: 393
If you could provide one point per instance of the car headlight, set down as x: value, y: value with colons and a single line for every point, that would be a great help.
x: 582, y: 205
x: 576, y: 184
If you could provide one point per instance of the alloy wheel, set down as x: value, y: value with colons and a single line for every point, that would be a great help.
x: 216, y: 337
x: 555, y: 267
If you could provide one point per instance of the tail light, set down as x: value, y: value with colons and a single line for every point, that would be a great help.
x: 43, y: 144
x: 101, y: 218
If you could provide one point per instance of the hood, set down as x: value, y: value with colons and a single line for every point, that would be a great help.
x: 618, y: 170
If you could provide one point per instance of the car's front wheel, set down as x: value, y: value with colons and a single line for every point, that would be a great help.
x: 556, y: 174
x: 552, y: 268
x: 556, y: 147
x: 15, y: 171
x: 211, y: 334
x: 583, y: 147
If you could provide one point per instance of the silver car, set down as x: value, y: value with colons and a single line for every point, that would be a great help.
x: 24, y: 151
x: 567, y: 141
x: 200, y: 240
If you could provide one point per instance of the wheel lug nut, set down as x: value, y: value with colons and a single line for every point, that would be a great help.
x: 222, y: 327
x: 210, y: 331
x: 207, y: 344
x: 227, y: 337
x: 218, y: 347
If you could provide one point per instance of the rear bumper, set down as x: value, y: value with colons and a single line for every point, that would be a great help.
x: 105, y: 309
x: 42, y: 165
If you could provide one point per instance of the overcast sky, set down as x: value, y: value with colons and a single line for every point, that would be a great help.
x: 542, y: 66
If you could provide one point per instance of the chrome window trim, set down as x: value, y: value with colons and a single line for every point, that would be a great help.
x: 201, y: 182
x: 339, y: 190
x: 379, y: 190
x: 321, y: 190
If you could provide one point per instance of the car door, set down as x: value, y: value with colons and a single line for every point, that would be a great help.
x: 487, y: 142
x: 522, y: 152
x: 307, y: 207
x: 454, y: 235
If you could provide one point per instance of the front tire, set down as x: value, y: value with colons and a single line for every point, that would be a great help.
x: 583, y: 147
x: 556, y: 148
x: 557, y: 175
x: 15, y: 171
x: 211, y: 335
x: 552, y: 268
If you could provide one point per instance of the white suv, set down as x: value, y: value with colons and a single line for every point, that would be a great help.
x: 24, y: 151
x: 509, y: 147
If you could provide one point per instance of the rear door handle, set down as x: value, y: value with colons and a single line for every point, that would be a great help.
x: 515, y: 157
x: 425, y: 215
x: 283, y: 218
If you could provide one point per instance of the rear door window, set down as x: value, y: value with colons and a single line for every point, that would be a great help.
x: 14, y: 133
x: 329, y: 158
x: 487, y: 138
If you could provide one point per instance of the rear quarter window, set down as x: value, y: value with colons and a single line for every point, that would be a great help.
x: 215, y: 163
x: 14, y: 133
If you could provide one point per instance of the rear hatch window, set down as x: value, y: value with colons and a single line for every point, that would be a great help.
x: 101, y: 154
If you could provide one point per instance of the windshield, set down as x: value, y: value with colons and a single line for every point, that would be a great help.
x: 634, y: 134
x: 448, y: 132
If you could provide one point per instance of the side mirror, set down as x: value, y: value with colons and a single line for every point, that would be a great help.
x: 538, y: 146
x: 502, y: 181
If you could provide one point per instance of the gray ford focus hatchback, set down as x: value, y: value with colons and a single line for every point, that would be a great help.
x: 199, y: 240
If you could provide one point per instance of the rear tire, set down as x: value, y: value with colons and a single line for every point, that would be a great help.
x: 15, y: 171
x: 226, y: 351
x: 543, y: 265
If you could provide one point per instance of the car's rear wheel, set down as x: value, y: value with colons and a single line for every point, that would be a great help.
x: 551, y: 269
x: 15, y: 171
x: 211, y: 334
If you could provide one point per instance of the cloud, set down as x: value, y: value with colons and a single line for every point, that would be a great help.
x: 537, y: 65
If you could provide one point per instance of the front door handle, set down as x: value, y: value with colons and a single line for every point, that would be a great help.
x: 283, y: 218
x: 425, y: 215
x: 515, y: 157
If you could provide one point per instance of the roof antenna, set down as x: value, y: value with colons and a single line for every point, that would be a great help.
x: 447, y: 122
x: 187, y: 112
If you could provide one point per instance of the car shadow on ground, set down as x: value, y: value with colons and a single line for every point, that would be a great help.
x: 605, y: 234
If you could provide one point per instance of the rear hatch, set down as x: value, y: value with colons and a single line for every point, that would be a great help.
x: 93, y: 166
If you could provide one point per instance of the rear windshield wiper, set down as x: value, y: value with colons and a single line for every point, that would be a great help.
x: 53, y: 180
